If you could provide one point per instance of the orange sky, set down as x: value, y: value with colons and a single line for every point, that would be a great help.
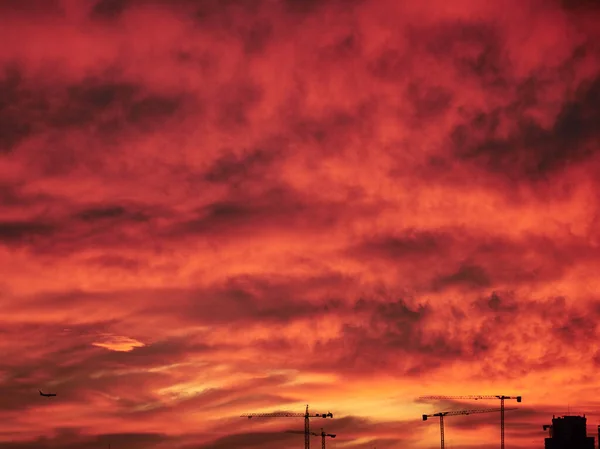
x: 214, y: 207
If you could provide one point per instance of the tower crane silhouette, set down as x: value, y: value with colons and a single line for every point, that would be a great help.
x: 476, y: 397
x: 306, y: 415
x: 456, y: 413
x: 322, y: 435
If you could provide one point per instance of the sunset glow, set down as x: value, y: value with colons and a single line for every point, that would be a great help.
x: 218, y: 207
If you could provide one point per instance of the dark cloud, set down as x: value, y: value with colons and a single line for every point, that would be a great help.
x: 474, y: 260
x: 13, y: 127
x: 236, y: 103
x: 114, y: 9
x: 70, y: 439
x: 276, y: 207
x: 116, y: 261
x: 474, y: 48
x: 81, y: 372
x: 99, y: 106
x: 270, y: 299
x: 347, y: 429
x: 17, y: 196
x: 86, y: 101
x: 111, y: 106
x: 107, y: 212
x: 396, y: 333
x: 407, y: 244
x: 109, y: 9
x: 333, y: 130
x: 347, y: 48
x: 302, y: 6
x: 152, y: 109
x: 580, y: 5
x: 234, y: 169
x: 428, y: 101
x: 576, y: 329
x: 23, y: 232
x: 531, y: 151
x: 254, y: 440
x: 498, y: 302
x: 392, y: 335
x: 467, y: 275
x: 390, y: 66
x: 256, y: 36
x: 101, y: 225
x: 31, y: 7
x: 401, y: 335
x: 239, y: 300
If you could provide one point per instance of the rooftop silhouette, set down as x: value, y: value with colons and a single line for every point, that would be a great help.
x: 568, y: 432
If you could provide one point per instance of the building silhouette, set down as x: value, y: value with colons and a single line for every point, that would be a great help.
x: 569, y: 432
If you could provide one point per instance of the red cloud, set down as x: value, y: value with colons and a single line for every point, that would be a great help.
x: 262, y: 205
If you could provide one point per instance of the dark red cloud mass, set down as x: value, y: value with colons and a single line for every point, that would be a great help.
x: 215, y: 207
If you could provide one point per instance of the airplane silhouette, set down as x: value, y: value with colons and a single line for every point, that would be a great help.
x: 47, y: 394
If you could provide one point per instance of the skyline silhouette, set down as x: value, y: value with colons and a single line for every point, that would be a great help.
x: 217, y: 207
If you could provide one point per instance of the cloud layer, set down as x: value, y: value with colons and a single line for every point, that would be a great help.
x: 217, y: 207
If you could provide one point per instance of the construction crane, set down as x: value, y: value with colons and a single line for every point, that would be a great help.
x: 322, y: 435
x: 304, y: 415
x: 456, y: 413
x: 476, y: 397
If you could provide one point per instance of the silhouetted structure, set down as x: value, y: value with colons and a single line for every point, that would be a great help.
x: 47, y: 395
x: 322, y: 435
x: 569, y: 432
x: 457, y: 413
x: 304, y: 415
x: 475, y: 397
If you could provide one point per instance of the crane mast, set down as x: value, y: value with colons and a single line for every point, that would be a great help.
x: 306, y: 429
x: 442, y: 430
